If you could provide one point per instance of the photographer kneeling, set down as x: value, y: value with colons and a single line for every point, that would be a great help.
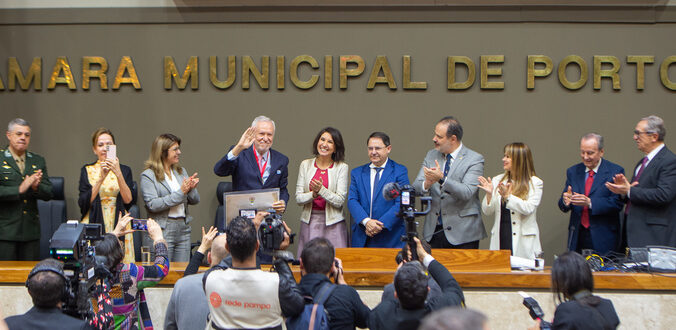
x: 408, y: 306
x: 129, y: 303
x: 243, y: 296
x: 46, y: 285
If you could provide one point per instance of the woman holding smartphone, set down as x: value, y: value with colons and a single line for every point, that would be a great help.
x: 321, y: 190
x: 105, y: 188
x: 167, y: 191
x: 513, y: 198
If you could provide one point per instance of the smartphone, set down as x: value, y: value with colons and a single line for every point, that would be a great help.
x: 111, y: 152
x: 139, y: 224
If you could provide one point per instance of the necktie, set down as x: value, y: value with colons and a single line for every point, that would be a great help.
x: 376, y: 179
x: 449, y: 158
x: 585, y: 211
x: 640, y: 170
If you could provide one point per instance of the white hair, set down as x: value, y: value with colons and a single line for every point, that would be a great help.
x: 17, y: 121
x: 263, y: 118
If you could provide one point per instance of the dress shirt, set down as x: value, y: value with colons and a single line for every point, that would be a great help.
x: 372, y: 178
x: 177, y: 211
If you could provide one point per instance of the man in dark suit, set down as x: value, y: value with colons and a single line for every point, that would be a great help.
x: 376, y: 223
x: 47, y: 286
x: 254, y: 165
x: 594, y: 210
x: 23, y: 180
x: 409, y: 305
x: 651, y: 194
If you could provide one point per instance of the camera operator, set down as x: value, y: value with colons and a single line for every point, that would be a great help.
x: 242, y: 295
x: 435, y: 289
x: 343, y: 305
x: 129, y: 305
x: 408, y: 306
x: 46, y: 285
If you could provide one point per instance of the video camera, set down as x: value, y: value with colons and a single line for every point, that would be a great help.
x: 82, y: 268
x: 271, y: 233
x: 407, y: 211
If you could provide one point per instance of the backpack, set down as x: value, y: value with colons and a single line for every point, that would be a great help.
x: 314, y: 316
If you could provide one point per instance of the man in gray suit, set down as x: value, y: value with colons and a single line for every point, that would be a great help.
x: 450, y: 174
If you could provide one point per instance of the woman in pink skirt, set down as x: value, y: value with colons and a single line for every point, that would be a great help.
x: 322, y: 189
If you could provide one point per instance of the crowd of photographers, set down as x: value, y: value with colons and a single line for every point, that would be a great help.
x: 236, y: 293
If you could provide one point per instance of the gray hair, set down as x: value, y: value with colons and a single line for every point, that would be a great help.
x: 655, y: 125
x: 597, y: 137
x: 17, y: 121
x: 263, y: 118
x: 454, y: 318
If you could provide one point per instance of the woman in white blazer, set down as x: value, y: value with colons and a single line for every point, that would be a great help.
x: 321, y: 190
x: 513, y: 198
x: 167, y: 190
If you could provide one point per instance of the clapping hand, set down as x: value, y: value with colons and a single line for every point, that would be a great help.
x: 505, y: 189
x: 316, y: 186
x: 567, y: 196
x: 190, y: 183
x: 486, y: 185
x: 580, y: 200
x: 432, y: 174
x: 620, y: 184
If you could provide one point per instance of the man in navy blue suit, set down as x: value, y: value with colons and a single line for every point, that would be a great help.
x: 254, y: 165
x: 376, y: 223
x: 594, y: 210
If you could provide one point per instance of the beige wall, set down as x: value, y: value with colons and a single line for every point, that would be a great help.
x: 550, y: 118
x: 504, y: 308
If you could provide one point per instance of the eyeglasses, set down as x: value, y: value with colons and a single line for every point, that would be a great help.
x: 375, y: 148
x: 636, y: 132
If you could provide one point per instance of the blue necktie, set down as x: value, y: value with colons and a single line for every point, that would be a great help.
x: 446, y: 168
x: 376, y: 179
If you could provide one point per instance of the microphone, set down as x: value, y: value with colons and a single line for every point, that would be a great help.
x: 391, y: 191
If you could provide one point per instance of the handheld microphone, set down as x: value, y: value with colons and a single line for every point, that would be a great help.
x: 391, y: 191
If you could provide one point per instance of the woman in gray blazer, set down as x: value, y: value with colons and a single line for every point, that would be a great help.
x: 167, y: 190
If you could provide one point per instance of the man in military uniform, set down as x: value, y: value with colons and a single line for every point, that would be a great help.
x: 23, y: 179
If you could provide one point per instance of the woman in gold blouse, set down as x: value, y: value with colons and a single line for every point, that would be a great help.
x: 105, y: 188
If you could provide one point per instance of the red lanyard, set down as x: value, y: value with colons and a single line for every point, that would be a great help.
x: 262, y: 169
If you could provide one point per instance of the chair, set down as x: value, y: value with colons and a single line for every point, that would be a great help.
x: 219, y: 220
x: 52, y: 214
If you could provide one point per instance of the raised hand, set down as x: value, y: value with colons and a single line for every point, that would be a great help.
x: 245, y: 141
x: 207, y: 239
